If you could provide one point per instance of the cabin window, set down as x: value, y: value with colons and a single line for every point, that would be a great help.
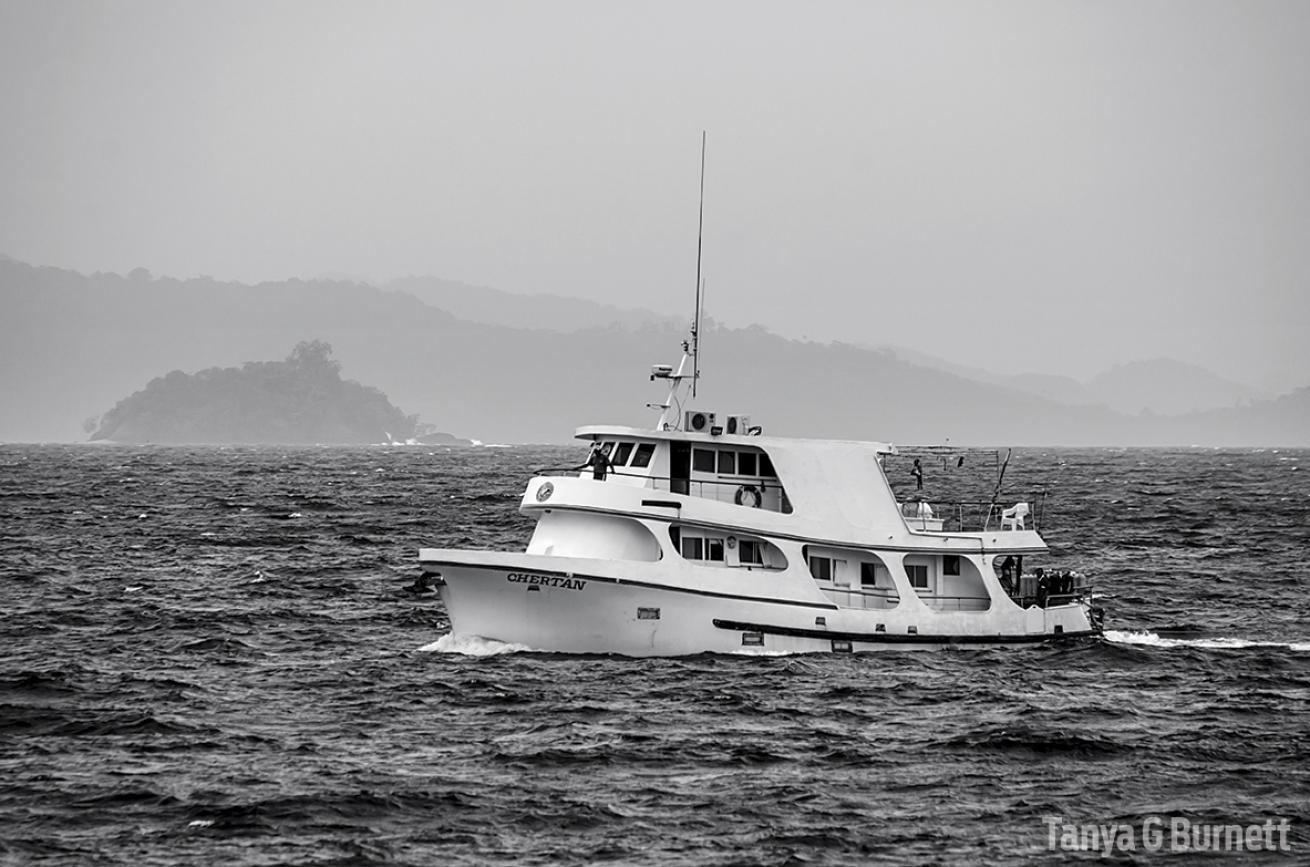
x: 702, y: 460
x: 821, y: 568
x: 766, y: 467
x: 918, y: 575
x: 750, y: 553
x: 622, y: 454
x: 950, y: 565
x: 643, y: 455
x: 727, y: 463
x: 699, y: 548
x: 746, y: 464
x: 869, y: 574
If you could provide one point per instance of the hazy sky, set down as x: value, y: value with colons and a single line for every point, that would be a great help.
x: 1042, y: 185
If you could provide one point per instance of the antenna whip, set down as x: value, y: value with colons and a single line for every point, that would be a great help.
x: 700, y: 230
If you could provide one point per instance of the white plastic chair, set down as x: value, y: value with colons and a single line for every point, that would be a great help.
x: 1013, y: 517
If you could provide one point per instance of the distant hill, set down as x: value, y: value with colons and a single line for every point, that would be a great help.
x: 71, y: 345
x: 1166, y: 386
x: 300, y: 400
x: 1162, y: 386
x: 548, y: 312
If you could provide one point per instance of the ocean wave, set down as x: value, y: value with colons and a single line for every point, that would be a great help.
x: 1151, y: 639
x: 472, y: 645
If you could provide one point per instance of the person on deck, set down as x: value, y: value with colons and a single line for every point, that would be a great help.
x: 1007, y: 574
x: 598, y: 460
x: 917, y: 472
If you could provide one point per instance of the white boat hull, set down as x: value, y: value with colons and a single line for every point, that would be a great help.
x: 567, y: 610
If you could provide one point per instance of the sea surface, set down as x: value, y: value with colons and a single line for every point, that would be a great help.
x: 215, y: 656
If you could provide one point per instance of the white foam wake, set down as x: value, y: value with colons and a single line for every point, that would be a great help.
x: 1150, y: 639
x: 472, y: 645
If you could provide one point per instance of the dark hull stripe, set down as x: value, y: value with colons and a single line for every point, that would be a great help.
x: 824, y: 606
x: 896, y: 638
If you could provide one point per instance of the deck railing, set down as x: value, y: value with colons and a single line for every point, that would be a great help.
x: 960, y: 516
x: 964, y: 516
x: 773, y: 498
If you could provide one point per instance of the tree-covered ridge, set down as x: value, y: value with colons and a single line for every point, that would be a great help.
x: 300, y: 400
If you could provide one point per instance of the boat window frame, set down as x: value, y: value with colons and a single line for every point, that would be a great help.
x: 698, y: 465
x: 715, y: 545
x: 741, y: 463
x: 828, y: 562
x: 727, y: 462
x: 913, y: 569
x: 642, y: 455
x: 622, y: 453
x: 756, y: 547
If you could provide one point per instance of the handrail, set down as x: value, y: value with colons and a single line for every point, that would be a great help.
x: 955, y: 515
x: 877, y: 592
x: 762, y: 484
x: 770, y: 481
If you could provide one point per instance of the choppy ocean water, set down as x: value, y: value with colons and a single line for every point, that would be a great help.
x: 209, y: 656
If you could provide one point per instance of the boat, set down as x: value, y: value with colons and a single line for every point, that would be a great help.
x: 704, y: 535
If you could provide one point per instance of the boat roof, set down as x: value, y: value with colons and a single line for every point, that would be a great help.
x: 596, y: 431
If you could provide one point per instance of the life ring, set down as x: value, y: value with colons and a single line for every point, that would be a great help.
x: 748, y: 495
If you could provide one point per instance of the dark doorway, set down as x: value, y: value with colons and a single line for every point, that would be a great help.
x: 680, y: 468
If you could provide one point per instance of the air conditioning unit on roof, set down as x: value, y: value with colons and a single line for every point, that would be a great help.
x: 699, y: 421
x: 738, y: 424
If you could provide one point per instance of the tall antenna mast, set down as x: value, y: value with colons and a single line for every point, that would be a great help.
x: 700, y: 230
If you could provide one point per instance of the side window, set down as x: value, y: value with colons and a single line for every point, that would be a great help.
x: 746, y: 464
x: 643, y: 455
x: 750, y: 553
x: 918, y: 575
x: 821, y: 568
x: 951, y: 565
x: 622, y: 454
x: 869, y: 574
x: 766, y: 468
x: 727, y: 463
x: 693, y: 548
x: 714, y: 549
x: 702, y: 460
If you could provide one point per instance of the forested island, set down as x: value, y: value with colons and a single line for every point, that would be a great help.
x: 297, y: 401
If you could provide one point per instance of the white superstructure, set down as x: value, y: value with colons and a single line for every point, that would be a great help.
x: 691, y: 538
